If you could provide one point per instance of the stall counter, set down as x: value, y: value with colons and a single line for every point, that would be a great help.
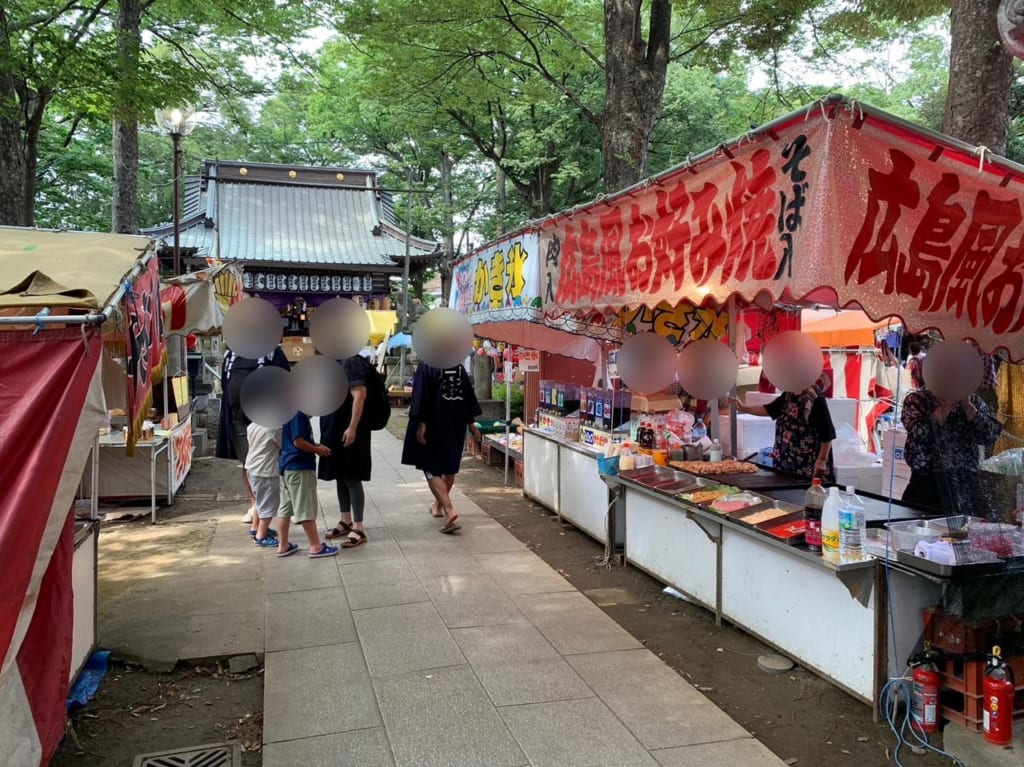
x: 563, y: 476
x: 830, y: 615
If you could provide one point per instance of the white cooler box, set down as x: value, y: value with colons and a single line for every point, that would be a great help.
x: 866, y: 478
x: 895, y: 472
x: 842, y: 409
x: 753, y: 432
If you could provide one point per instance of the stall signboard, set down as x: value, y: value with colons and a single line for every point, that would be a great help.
x: 529, y: 360
x: 147, y: 350
x: 181, y: 444
x: 501, y: 282
x: 836, y: 200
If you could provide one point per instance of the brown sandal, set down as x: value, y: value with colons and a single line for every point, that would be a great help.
x: 340, y: 531
x: 351, y: 543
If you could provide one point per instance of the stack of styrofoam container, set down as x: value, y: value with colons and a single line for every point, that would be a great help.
x: 895, y: 471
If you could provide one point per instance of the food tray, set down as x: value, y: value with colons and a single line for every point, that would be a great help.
x: 753, y: 516
x: 757, y: 502
x: 648, y: 474
x: 875, y: 510
x: 947, y: 571
x: 792, y: 520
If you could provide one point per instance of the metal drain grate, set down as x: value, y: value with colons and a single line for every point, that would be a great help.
x: 210, y: 755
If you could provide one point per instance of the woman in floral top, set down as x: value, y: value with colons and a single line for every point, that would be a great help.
x: 803, y: 433
x: 941, y: 451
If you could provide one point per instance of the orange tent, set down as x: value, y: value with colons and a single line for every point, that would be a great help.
x: 834, y: 330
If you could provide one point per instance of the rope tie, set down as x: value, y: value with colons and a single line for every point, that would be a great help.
x: 981, y: 151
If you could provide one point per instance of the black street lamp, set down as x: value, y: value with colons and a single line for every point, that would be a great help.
x: 177, y: 123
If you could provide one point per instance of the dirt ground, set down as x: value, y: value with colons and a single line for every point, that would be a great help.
x: 803, y: 719
x: 140, y: 712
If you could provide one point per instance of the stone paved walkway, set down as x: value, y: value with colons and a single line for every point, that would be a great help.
x: 424, y: 650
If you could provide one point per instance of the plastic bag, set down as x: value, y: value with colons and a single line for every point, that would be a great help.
x: 1009, y: 462
x: 848, y: 450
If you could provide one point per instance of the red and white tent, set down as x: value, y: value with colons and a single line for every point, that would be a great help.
x: 837, y: 204
x: 59, y: 292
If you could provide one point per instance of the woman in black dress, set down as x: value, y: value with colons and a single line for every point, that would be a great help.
x: 443, y: 405
x: 347, y: 435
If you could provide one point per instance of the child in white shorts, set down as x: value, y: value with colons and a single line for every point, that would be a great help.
x: 261, y: 464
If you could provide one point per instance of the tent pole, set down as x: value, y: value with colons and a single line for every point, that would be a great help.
x: 507, y: 370
x: 733, y: 431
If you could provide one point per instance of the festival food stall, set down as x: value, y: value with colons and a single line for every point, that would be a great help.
x: 837, y: 205
x: 60, y: 292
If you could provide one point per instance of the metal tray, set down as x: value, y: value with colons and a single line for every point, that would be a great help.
x: 784, y: 507
x: 875, y: 511
x: 793, y: 540
x: 947, y: 571
x: 648, y: 474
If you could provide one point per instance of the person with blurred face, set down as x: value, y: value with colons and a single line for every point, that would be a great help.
x: 803, y: 432
x: 443, y: 405
x: 942, y: 451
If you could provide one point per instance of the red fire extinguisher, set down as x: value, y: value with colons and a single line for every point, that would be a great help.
x: 997, y: 691
x: 924, y: 703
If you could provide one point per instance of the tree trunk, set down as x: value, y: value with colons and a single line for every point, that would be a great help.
x: 980, y: 77
x: 125, y: 207
x: 448, y: 200
x: 502, y: 183
x: 14, y: 205
x: 635, y: 83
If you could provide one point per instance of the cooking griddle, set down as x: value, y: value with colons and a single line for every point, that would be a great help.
x: 875, y: 510
x: 763, y: 479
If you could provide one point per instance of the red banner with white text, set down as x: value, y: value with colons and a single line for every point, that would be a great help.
x: 147, y: 350
x: 835, y: 204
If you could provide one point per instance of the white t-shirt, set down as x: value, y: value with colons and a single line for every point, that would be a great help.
x: 264, y: 450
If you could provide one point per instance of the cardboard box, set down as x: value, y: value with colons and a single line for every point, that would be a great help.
x: 297, y: 347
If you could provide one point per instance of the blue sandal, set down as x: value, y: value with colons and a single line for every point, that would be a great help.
x: 267, y: 542
x: 271, y: 533
x: 292, y: 548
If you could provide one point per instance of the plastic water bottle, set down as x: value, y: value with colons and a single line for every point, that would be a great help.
x: 830, y: 522
x: 852, y: 523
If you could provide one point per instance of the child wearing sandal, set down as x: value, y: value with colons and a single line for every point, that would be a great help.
x: 261, y: 466
x: 298, y: 487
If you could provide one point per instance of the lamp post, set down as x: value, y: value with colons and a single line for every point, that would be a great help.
x: 405, y: 282
x: 177, y: 123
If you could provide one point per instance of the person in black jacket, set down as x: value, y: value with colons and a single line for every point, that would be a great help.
x: 443, y: 405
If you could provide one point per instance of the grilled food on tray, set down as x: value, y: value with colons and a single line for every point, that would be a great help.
x: 706, y: 468
x: 735, y: 502
x: 707, y: 494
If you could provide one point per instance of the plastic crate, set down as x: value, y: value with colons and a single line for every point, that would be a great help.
x: 490, y: 454
x: 519, y: 473
x: 491, y: 426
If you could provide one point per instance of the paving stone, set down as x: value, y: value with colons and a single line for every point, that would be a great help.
x: 300, y: 573
x: 487, y: 536
x: 523, y: 573
x: 239, y: 664
x: 308, y: 619
x: 220, y: 598
x: 405, y: 638
x: 573, y: 624
x: 442, y: 718
x: 213, y: 636
x: 730, y: 753
x: 376, y: 549
x: 365, y: 748
x: 430, y: 559
x: 576, y: 732
x: 317, y: 691
x: 660, y: 707
x: 381, y: 583
x: 471, y: 600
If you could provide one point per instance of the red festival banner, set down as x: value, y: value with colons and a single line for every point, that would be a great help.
x: 836, y: 203
x: 147, y: 351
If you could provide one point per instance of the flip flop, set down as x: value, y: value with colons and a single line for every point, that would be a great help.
x: 351, y: 543
x: 341, y: 530
x: 438, y: 515
x: 451, y: 527
x: 325, y: 551
x: 292, y: 548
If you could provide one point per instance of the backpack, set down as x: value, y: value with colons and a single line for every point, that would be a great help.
x: 377, y: 410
